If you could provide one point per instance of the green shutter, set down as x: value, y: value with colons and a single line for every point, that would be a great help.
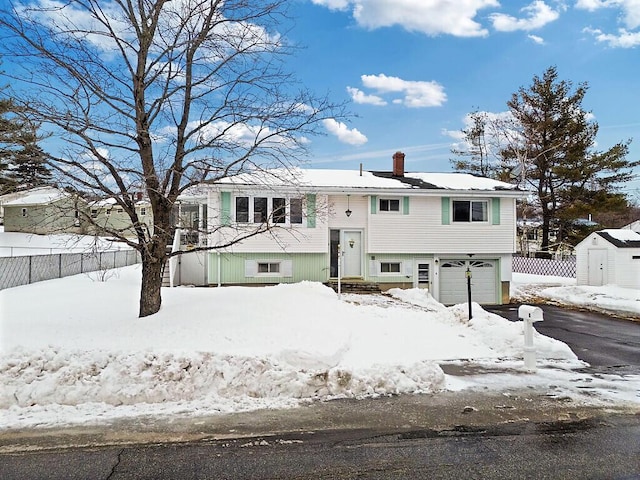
x: 225, y: 208
x: 405, y: 205
x: 374, y: 204
x: 446, y: 211
x: 495, y: 213
x: 311, y: 210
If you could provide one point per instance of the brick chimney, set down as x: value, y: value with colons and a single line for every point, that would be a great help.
x: 398, y: 164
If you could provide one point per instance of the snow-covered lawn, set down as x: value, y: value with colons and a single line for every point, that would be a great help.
x: 619, y: 301
x: 73, y: 350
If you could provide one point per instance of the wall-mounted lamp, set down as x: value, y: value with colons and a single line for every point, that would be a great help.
x: 351, y: 242
x: 348, y: 212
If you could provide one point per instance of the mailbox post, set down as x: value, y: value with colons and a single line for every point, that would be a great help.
x: 529, y: 315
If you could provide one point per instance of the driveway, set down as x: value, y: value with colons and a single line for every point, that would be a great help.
x: 606, y: 343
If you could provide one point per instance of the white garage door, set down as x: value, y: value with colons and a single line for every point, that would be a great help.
x: 453, y: 281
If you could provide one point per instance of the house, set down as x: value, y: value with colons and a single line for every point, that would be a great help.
x: 391, y: 229
x: 45, y: 210
x: 609, y: 257
x: 635, y: 226
x: 108, y: 215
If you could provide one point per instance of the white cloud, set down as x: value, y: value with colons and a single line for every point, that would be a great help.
x: 333, y: 4
x: 630, y: 9
x: 359, y: 96
x: 431, y: 17
x: 340, y: 130
x: 538, y: 14
x: 624, y: 38
x: 416, y: 94
x: 536, y: 39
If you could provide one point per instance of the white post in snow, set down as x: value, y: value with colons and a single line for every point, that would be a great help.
x: 529, y: 315
x: 339, y: 269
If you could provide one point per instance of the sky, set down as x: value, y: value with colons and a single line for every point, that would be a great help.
x: 413, y: 69
x: 214, y: 351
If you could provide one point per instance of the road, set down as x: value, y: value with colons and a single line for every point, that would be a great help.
x: 591, y: 449
x: 604, y: 342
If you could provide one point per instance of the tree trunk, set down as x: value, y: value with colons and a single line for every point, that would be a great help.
x: 150, y: 297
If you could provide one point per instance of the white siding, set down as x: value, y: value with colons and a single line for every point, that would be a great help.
x: 422, y: 231
x: 622, y: 269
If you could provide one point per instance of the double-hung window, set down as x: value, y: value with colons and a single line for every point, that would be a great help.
x: 470, y: 211
x: 389, y: 205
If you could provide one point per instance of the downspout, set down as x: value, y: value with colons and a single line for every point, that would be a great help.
x: 219, y: 269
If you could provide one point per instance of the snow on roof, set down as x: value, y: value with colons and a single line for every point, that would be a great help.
x: 365, y: 179
x: 621, y: 237
x: 39, y: 196
x: 461, y: 181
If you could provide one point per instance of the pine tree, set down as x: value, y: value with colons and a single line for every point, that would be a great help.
x: 22, y: 161
x: 556, y: 149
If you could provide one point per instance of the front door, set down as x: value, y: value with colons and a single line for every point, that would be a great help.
x: 352, y: 249
x: 597, y: 267
x: 423, y: 279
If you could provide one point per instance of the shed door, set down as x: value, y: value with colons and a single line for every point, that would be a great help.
x: 597, y: 267
x: 453, y: 281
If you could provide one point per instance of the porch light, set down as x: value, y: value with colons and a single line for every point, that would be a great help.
x: 347, y: 212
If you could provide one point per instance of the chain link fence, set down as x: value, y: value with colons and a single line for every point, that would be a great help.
x: 16, y: 271
x: 543, y: 266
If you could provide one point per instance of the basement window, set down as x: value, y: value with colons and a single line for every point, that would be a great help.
x: 390, y: 267
x: 268, y: 267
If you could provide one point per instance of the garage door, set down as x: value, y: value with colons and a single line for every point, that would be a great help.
x: 453, y: 281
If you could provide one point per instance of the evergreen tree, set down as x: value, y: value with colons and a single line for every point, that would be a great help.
x: 556, y: 150
x: 22, y: 161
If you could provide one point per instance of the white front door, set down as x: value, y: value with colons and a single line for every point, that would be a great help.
x: 352, y: 248
x: 597, y: 267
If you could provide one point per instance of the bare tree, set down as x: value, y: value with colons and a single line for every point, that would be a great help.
x: 158, y: 96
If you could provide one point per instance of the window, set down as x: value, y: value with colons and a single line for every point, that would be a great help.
x: 389, y: 267
x: 389, y: 205
x: 242, y: 209
x: 296, y: 210
x: 24, y: 212
x: 259, y: 210
x: 120, y: 210
x: 143, y: 211
x: 268, y: 267
x: 108, y: 211
x: 470, y: 211
x: 94, y: 213
x: 279, y: 209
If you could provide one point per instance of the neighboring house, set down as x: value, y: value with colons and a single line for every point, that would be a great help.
x: 108, y: 215
x: 635, y: 226
x: 394, y: 229
x: 45, y: 210
x: 609, y: 257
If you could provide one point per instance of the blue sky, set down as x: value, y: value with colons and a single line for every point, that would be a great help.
x: 413, y: 69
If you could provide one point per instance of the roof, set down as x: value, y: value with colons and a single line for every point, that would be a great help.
x: 355, y: 179
x: 38, y: 196
x: 621, y: 238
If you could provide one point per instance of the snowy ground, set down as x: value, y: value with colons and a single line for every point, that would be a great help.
x: 73, y: 351
x: 15, y: 244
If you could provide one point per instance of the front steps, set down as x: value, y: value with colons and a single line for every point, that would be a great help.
x: 354, y: 286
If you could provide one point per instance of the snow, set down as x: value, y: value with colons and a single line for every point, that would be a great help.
x: 623, y: 235
x: 37, y: 196
x: 461, y: 181
x: 327, y: 178
x: 79, y: 354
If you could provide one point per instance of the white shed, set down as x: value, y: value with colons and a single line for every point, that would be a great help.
x: 609, y: 257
